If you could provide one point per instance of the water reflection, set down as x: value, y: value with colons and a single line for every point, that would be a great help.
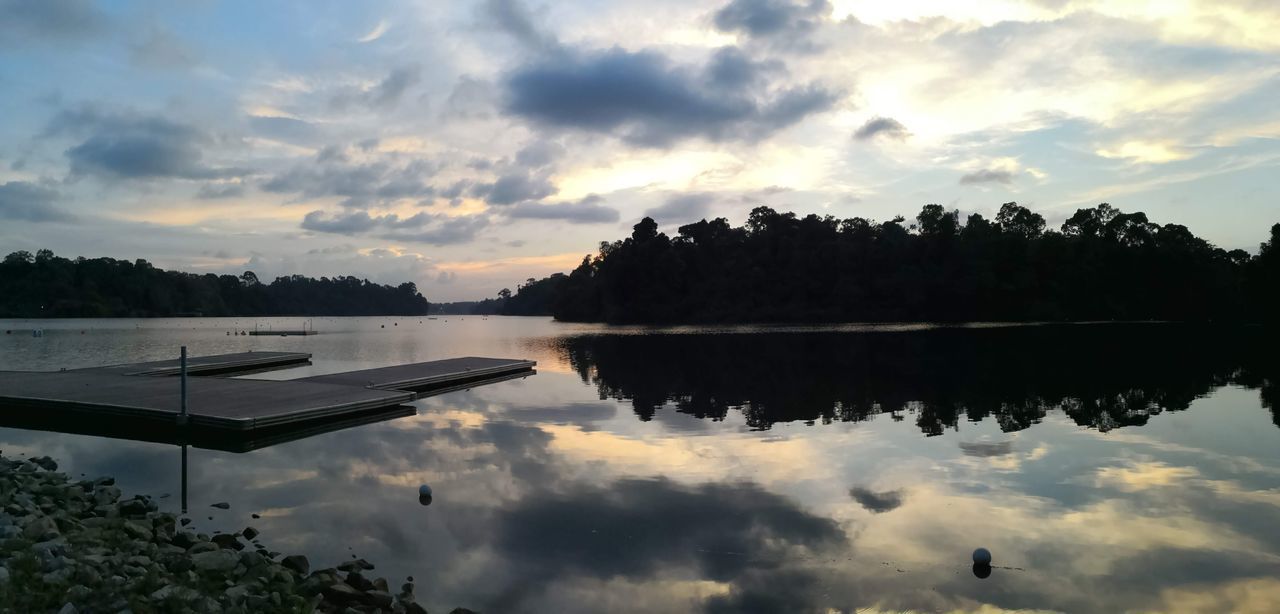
x: 550, y: 495
x: 1101, y: 376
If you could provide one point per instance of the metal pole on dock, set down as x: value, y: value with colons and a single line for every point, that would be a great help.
x: 182, y: 417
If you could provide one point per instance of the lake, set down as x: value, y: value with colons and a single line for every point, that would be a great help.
x: 1107, y: 467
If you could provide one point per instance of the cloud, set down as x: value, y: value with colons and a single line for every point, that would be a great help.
x: 987, y: 449
x: 452, y: 231
x: 730, y: 67
x: 886, y: 127
x: 47, y: 20
x: 512, y: 17
x: 122, y: 146
x: 514, y: 187
x: 471, y: 98
x: 1146, y: 152
x: 603, y: 531
x: 989, y: 175
x: 585, y: 211
x: 539, y: 154
x: 161, y: 49
x: 284, y: 129
x: 682, y: 208
x: 645, y: 99
x: 876, y: 502
x: 422, y: 227
x: 374, y: 34
x: 210, y: 191
x: 359, y: 185
x: 28, y: 202
x: 383, y: 95
x: 778, y: 20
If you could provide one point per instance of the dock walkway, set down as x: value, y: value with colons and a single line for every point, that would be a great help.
x: 144, y: 391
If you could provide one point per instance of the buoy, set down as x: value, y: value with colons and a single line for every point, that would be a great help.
x: 424, y: 491
x: 982, y: 556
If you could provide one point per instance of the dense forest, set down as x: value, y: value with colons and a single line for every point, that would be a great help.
x: 1103, y: 264
x: 44, y: 285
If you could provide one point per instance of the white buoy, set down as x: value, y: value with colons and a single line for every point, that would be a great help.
x: 982, y: 556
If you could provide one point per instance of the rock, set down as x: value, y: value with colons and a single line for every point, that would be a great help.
x: 222, y: 506
x: 137, y: 530
x: 297, y: 563
x: 358, y: 581
x: 176, y: 592
x: 4, y: 574
x: 249, y: 532
x: 462, y: 611
x: 341, y: 593
x: 183, y: 539
x: 356, y: 565
x: 185, y: 521
x: 136, y: 506
x: 227, y: 541
x: 45, y: 463
x: 381, y: 585
x: 413, y: 608
x: 42, y: 528
x: 203, y: 546
x: 254, y: 516
x: 68, y: 608
x: 217, y: 560
x: 378, y: 598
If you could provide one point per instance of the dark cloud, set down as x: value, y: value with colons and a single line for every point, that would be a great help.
x: 220, y: 190
x: 730, y: 67
x: 452, y: 231
x: 285, y: 129
x: 682, y: 208
x: 783, y: 21
x: 422, y: 227
x: 724, y: 529
x: 359, y: 185
x: 645, y: 99
x: 573, y: 413
x: 877, y: 502
x: 123, y: 146
x: 986, y: 449
x: 585, y: 211
x: 886, y: 127
x: 346, y: 224
x: 514, y: 187
x: 514, y: 18
x: 988, y: 176
x: 28, y: 202
x: 46, y: 20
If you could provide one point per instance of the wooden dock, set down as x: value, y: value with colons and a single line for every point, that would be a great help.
x: 222, y: 364
x: 424, y: 376
x: 145, y: 392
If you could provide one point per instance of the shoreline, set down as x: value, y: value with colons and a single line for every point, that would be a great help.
x: 70, y: 546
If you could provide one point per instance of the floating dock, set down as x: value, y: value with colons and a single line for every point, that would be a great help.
x: 222, y: 364
x: 424, y: 376
x: 147, y: 392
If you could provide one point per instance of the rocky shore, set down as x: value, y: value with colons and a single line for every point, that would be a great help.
x: 71, y: 546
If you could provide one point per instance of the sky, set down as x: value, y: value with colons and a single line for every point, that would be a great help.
x: 467, y: 146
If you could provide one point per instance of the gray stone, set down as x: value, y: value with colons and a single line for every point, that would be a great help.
x: 297, y: 563
x: 138, y: 530
x: 216, y: 560
x: 227, y: 541
x: 341, y: 593
x: 222, y: 506
x: 177, y: 592
x: 381, y: 599
x: 249, y: 532
x: 41, y: 529
x: 68, y: 608
x: 200, y: 547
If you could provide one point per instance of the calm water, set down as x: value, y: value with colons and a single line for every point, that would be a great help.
x: 1108, y: 468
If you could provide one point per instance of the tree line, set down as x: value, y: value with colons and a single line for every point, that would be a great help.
x: 1103, y: 264
x: 45, y: 285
